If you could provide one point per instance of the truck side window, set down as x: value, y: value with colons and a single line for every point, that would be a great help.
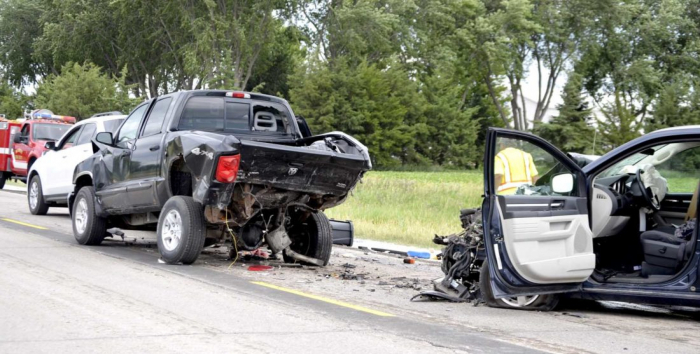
x: 237, y: 116
x: 87, y: 134
x: 271, y: 117
x: 25, y: 131
x: 154, y: 122
x: 131, y: 126
x: 68, y: 142
x: 203, y: 113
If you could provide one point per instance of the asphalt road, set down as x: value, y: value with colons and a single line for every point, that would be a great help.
x: 57, y: 296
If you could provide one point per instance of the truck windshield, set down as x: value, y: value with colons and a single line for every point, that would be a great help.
x: 49, y: 131
x: 225, y: 115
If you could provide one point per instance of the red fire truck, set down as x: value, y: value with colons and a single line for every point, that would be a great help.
x: 22, y: 142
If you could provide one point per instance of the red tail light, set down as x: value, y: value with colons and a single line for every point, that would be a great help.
x: 227, y: 169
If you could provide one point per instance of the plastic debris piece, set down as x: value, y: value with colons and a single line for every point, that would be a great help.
x: 259, y: 268
x: 409, y: 260
x: 416, y: 254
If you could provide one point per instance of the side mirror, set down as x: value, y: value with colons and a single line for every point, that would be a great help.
x: 17, y: 139
x: 50, y: 145
x: 563, y: 183
x: 303, y: 127
x: 105, y: 138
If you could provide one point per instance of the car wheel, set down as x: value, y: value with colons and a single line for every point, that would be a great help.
x: 88, y: 227
x: 35, y: 197
x: 531, y: 302
x: 312, y: 237
x: 181, y: 230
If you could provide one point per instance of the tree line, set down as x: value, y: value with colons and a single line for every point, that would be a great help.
x: 417, y: 81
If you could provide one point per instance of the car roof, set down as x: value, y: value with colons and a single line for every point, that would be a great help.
x: 101, y: 119
x: 681, y: 132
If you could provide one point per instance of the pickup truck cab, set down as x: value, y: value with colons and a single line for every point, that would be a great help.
x: 218, y: 166
x: 51, y: 177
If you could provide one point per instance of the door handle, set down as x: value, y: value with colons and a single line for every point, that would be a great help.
x: 556, y: 204
x: 154, y: 147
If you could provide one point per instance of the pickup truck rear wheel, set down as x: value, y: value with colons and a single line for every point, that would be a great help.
x: 88, y: 227
x: 2, y: 180
x: 35, y: 197
x: 545, y: 302
x: 181, y: 230
x: 312, y: 237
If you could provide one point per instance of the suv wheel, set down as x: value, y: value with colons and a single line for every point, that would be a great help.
x: 88, y: 227
x: 35, y: 197
x: 181, y: 230
x: 532, y: 302
x: 312, y: 237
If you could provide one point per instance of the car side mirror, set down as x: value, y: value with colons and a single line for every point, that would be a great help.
x: 50, y: 145
x: 563, y: 183
x: 303, y: 127
x: 17, y: 139
x: 105, y: 138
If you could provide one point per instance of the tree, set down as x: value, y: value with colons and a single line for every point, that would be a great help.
x: 12, y: 102
x: 83, y: 90
x: 570, y: 130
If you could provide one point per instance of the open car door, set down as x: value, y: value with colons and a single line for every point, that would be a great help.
x: 536, y: 223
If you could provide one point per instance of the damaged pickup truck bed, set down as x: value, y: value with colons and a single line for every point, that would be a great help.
x: 217, y: 166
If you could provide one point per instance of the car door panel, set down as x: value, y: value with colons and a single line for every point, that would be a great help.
x: 538, y: 243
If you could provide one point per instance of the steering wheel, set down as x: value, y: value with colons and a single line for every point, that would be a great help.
x: 649, y: 197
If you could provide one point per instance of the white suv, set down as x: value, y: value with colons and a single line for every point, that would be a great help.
x: 51, y: 176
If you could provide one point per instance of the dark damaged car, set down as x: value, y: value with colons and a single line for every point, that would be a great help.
x: 217, y: 167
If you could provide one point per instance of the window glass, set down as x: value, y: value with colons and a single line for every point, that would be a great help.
x: 131, y: 126
x: 681, y: 170
x: 25, y: 130
x: 154, y: 122
x: 49, y: 131
x: 70, y: 139
x: 271, y: 117
x: 523, y: 168
x: 237, y: 116
x: 87, y: 134
x: 112, y: 125
x: 203, y: 113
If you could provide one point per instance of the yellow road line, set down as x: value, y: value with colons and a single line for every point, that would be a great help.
x: 324, y: 299
x: 24, y: 224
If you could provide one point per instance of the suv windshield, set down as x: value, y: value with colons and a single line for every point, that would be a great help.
x: 49, y: 131
x: 112, y: 125
x: 219, y: 114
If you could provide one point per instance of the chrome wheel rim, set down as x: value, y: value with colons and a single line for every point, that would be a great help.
x: 171, y: 232
x: 81, y: 216
x: 33, y: 195
x: 520, y: 301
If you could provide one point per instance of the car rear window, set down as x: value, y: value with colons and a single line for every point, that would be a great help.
x: 230, y: 115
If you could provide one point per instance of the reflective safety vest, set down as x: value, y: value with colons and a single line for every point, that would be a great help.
x: 517, y: 169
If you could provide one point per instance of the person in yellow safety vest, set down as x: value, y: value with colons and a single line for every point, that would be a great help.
x: 512, y: 169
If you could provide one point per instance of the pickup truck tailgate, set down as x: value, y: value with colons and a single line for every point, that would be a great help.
x: 300, y: 169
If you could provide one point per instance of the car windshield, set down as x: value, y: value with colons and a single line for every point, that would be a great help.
x: 631, y: 160
x: 112, y: 125
x: 49, y: 131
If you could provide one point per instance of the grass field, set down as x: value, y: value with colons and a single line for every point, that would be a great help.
x: 410, y: 207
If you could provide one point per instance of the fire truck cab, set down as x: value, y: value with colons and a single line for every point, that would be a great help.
x: 21, y: 143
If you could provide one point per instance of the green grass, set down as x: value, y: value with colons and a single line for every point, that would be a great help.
x: 410, y: 207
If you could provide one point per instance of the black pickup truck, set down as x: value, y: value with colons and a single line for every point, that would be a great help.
x: 217, y: 166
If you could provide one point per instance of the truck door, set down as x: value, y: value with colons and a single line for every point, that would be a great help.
x: 113, y: 176
x: 536, y: 230
x: 146, y: 158
x: 20, y: 152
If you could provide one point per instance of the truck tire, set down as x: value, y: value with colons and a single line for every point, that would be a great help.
x: 181, y: 230
x: 2, y: 180
x: 312, y: 237
x: 88, y: 227
x: 35, y: 197
x: 528, y: 303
